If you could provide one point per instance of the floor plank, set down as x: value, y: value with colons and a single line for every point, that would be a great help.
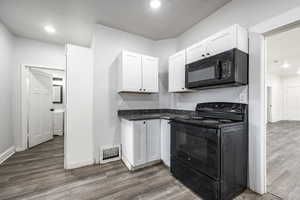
x: 283, y: 159
x: 38, y: 174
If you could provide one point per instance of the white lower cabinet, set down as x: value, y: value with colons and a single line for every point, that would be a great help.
x: 140, y: 143
x: 165, y: 142
x: 153, y: 140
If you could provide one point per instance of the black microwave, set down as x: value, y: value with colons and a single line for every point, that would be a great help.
x: 226, y: 69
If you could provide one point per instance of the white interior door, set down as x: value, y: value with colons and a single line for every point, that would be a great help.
x: 40, y: 103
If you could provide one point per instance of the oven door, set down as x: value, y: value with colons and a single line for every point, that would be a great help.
x: 197, y: 147
x: 213, y: 71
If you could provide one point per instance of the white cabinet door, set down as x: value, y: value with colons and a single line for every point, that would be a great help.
x: 196, y: 52
x: 177, y: 72
x: 131, y: 72
x: 165, y: 142
x: 150, y: 74
x: 221, y: 42
x: 139, y: 143
x: 153, y: 140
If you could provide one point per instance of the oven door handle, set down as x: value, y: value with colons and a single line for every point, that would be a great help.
x: 219, y: 69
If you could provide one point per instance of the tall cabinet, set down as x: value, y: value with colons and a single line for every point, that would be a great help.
x: 138, y: 73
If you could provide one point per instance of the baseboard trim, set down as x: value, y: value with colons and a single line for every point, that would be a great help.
x: 19, y: 149
x: 78, y: 165
x: 6, y: 154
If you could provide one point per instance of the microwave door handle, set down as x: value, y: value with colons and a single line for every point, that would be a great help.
x: 219, y: 69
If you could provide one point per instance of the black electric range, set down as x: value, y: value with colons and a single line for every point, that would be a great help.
x: 209, y: 150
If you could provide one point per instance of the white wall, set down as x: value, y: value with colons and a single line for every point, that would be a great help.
x: 107, y: 45
x: 282, y: 108
x: 79, y: 116
x: 36, y: 53
x: 163, y: 49
x: 243, y: 12
x: 291, y: 106
x: 275, y: 82
x: 6, y: 85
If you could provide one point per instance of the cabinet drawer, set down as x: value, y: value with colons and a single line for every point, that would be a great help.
x: 202, y: 185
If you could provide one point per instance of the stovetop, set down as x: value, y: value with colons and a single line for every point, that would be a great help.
x: 208, y: 122
x: 216, y: 114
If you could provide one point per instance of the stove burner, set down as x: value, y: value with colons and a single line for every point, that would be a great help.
x: 197, y: 118
x: 225, y: 121
x: 209, y: 121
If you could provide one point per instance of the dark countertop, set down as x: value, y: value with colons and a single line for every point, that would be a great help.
x: 167, y: 114
x: 181, y: 116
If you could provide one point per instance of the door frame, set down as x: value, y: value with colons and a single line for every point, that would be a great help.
x: 269, y: 101
x: 25, y: 79
x: 257, y: 135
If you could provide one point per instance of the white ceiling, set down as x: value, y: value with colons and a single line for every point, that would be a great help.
x: 74, y: 19
x: 284, y: 47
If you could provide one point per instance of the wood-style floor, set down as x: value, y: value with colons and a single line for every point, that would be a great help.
x: 38, y: 174
x: 283, y: 159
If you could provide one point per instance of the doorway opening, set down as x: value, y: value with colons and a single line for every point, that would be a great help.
x: 283, y: 112
x: 43, y: 108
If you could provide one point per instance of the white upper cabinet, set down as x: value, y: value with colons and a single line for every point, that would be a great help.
x: 138, y: 73
x: 196, y: 52
x: 177, y: 72
x: 150, y: 74
x: 230, y: 38
x: 130, y: 72
x: 220, y: 42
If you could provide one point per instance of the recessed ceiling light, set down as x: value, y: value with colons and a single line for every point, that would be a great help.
x: 49, y: 29
x: 155, y: 4
x: 285, y: 65
x: 298, y: 72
